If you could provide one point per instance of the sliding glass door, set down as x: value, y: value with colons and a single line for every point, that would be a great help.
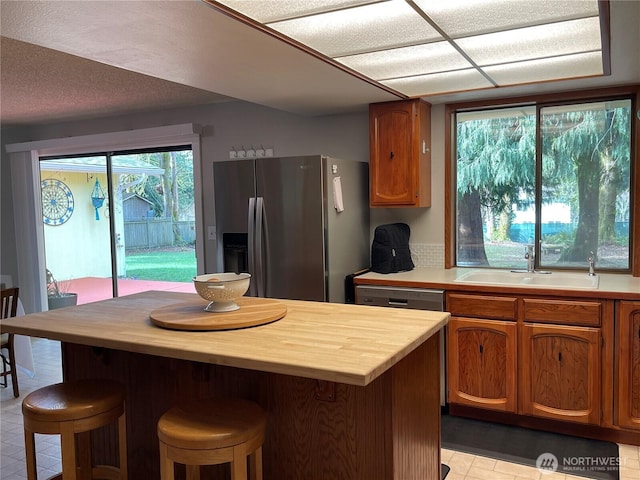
x: 77, y: 235
x: 118, y: 223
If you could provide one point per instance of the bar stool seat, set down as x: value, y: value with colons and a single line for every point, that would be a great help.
x: 211, y: 432
x: 71, y: 410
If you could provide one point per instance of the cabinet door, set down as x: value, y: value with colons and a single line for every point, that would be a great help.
x: 393, y: 168
x: 481, y: 360
x: 560, y: 372
x: 629, y: 365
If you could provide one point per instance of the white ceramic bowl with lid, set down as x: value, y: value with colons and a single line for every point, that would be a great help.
x: 222, y: 290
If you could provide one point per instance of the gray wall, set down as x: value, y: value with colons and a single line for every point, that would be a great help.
x: 237, y: 124
x: 8, y: 264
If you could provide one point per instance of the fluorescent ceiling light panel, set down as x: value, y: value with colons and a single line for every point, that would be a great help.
x: 265, y: 11
x: 568, y: 66
x: 429, y: 47
x: 407, y: 61
x: 360, y: 29
x: 438, y: 83
x: 534, y: 42
x: 471, y: 17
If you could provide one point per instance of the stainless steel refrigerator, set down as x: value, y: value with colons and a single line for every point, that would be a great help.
x: 299, y: 225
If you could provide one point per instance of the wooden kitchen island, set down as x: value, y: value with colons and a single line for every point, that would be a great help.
x: 351, y: 391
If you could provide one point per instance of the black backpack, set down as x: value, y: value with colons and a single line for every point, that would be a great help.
x: 390, y: 249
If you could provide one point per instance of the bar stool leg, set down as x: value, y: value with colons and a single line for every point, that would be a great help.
x: 193, y: 472
x: 30, y: 453
x: 68, y: 448
x: 239, y: 464
x: 84, y: 455
x: 166, y: 464
x: 255, y: 465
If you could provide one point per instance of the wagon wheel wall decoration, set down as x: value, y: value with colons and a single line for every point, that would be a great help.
x: 57, y: 202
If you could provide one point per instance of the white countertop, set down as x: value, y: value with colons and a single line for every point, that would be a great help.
x: 611, y: 285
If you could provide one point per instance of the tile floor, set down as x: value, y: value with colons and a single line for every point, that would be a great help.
x: 46, y: 358
x: 46, y: 355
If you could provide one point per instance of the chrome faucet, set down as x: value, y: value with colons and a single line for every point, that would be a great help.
x: 530, y: 256
x: 592, y: 264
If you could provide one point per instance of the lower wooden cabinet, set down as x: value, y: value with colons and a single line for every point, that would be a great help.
x: 560, y: 374
x: 628, y: 365
x: 541, y: 357
x: 482, y: 363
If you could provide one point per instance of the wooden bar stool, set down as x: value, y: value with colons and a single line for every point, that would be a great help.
x: 211, y: 432
x: 72, y: 410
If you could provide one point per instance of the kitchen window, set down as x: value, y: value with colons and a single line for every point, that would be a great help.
x: 554, y: 176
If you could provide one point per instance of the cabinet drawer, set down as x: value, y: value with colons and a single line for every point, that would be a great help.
x: 482, y: 306
x: 571, y: 312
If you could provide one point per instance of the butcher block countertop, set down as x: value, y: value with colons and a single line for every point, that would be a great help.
x: 351, y: 344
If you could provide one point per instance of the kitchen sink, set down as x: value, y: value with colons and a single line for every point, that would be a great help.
x: 563, y: 280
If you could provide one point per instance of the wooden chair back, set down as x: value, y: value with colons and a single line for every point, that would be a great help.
x: 9, y: 306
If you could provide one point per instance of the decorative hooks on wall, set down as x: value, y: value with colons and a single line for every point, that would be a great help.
x: 251, y: 152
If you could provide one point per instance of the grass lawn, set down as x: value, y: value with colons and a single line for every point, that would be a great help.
x: 505, y: 255
x: 174, y: 265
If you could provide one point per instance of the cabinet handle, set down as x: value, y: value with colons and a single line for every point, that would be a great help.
x: 559, y: 356
x: 481, y: 349
x: 391, y: 155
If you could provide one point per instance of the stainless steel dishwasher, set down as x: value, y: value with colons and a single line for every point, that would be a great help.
x: 416, y: 298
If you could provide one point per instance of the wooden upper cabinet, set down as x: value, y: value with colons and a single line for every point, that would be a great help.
x: 400, y: 154
x: 628, y: 332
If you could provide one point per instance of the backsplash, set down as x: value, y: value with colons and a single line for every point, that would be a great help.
x: 429, y: 255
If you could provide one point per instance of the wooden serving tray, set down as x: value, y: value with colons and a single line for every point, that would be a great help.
x: 192, y: 315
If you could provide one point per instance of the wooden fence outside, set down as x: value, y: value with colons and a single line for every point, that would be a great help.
x: 157, y: 232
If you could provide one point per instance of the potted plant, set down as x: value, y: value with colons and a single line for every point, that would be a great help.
x: 56, y: 295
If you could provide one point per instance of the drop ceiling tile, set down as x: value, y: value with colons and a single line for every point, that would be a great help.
x: 390, y: 42
x: 271, y: 11
x: 360, y: 29
x: 471, y: 17
x: 460, y: 80
x: 407, y: 61
x: 557, y: 68
x: 574, y: 36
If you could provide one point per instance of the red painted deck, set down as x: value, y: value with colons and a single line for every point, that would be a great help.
x: 93, y: 289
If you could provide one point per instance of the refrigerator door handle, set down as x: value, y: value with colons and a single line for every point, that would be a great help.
x: 259, y: 257
x: 251, y: 223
